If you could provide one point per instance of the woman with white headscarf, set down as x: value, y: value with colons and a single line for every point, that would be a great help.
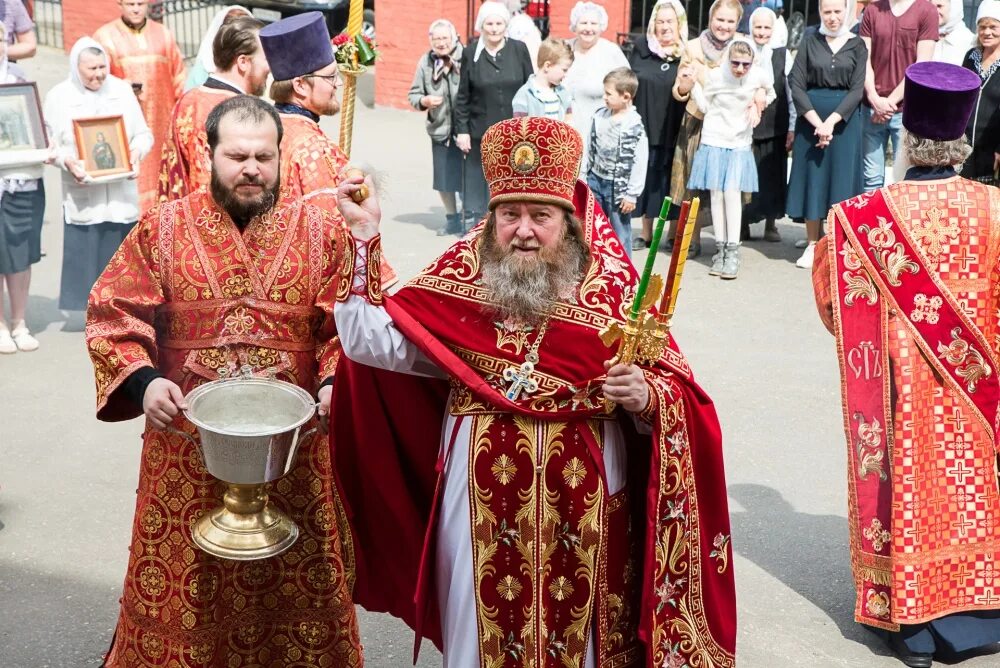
x: 434, y: 89
x: 771, y: 138
x: 827, y: 83
x: 593, y: 57
x: 983, y: 131
x: 22, y: 205
x: 955, y: 38
x: 493, y: 69
x: 98, y: 214
x: 655, y: 61
x: 204, y: 64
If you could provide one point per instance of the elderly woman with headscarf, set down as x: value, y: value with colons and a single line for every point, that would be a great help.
x: 655, y: 61
x: 983, y: 131
x: 702, y: 53
x: 493, y: 69
x: 22, y: 205
x: 827, y: 83
x: 772, y: 138
x: 593, y: 57
x: 434, y: 89
x: 954, y: 37
x: 98, y: 213
x: 204, y: 64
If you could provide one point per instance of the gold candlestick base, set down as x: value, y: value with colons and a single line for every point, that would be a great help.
x: 245, y: 527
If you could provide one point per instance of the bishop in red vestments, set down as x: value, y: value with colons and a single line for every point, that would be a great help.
x: 185, y: 164
x: 306, y: 79
x: 208, y: 282
x: 908, y: 280
x: 572, y: 511
x: 144, y: 53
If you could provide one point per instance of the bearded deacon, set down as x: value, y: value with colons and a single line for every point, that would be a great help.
x: 572, y: 510
x: 241, y: 68
x: 908, y: 280
x: 144, y: 53
x: 304, y: 90
x: 214, y: 281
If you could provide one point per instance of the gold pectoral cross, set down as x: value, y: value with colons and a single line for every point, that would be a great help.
x: 520, y: 381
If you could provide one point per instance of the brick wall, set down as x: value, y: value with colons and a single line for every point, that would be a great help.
x: 402, y: 36
x: 83, y: 17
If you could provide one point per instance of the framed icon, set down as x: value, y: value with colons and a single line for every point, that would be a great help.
x: 102, y: 146
x: 22, y: 130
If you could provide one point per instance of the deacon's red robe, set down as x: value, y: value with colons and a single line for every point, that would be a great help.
x: 148, y: 56
x: 910, y: 286
x: 554, y: 555
x: 189, y: 294
x: 311, y: 164
x: 186, y: 163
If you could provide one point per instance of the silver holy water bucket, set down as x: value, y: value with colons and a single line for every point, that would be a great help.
x: 249, y: 433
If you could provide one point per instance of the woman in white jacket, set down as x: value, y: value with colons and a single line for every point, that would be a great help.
x: 98, y: 215
x: 724, y: 163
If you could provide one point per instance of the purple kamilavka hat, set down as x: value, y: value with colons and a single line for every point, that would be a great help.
x: 939, y: 100
x: 297, y: 45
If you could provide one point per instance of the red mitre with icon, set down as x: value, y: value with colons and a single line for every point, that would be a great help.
x: 532, y: 159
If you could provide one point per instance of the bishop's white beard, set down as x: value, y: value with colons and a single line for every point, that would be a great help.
x: 522, y: 289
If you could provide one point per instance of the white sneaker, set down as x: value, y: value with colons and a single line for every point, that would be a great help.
x: 806, y: 261
x: 7, y: 345
x: 801, y: 243
x: 23, y: 339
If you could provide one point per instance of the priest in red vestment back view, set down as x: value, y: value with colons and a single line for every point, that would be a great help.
x: 217, y: 280
x: 908, y: 280
x: 572, y: 511
x: 145, y: 54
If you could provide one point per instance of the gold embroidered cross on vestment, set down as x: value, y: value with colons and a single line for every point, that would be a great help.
x: 931, y: 232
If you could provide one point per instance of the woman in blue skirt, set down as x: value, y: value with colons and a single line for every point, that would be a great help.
x: 724, y: 163
x: 827, y: 82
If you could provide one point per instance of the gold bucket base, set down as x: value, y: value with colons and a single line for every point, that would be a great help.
x: 246, y: 527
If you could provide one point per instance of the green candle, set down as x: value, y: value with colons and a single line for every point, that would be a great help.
x: 647, y: 271
x: 665, y: 209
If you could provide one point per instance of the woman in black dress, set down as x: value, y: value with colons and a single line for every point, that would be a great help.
x: 771, y: 138
x: 654, y: 61
x: 493, y: 69
x: 827, y: 82
x: 983, y: 131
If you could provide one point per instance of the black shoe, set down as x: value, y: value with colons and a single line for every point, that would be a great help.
x: 694, y: 250
x: 452, y: 226
x: 909, y: 658
x: 638, y: 243
x: 745, y: 231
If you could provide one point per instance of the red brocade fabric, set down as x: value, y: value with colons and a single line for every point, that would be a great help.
x: 189, y: 294
x: 908, y: 285
x: 663, y: 576
x: 186, y: 164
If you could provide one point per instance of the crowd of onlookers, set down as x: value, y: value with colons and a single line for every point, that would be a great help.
x: 715, y: 115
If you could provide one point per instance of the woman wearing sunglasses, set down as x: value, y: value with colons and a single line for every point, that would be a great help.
x: 724, y: 163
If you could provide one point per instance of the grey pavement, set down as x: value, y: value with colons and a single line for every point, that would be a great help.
x: 67, y: 482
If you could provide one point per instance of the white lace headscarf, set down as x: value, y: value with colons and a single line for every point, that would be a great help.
x: 845, y: 26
